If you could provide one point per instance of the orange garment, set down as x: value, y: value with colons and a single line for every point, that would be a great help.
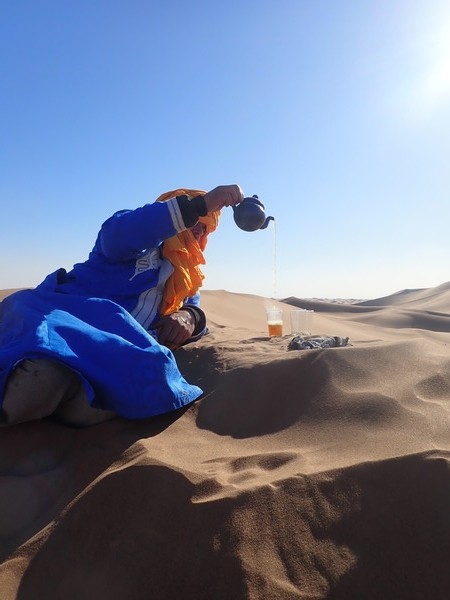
x: 185, y: 254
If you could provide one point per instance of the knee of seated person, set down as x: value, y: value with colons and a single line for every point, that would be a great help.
x: 35, y: 389
x: 77, y: 412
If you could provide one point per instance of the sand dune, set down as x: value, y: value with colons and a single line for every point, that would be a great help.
x: 437, y: 298
x: 316, y: 474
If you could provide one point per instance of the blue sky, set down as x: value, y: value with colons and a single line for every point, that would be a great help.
x: 336, y: 113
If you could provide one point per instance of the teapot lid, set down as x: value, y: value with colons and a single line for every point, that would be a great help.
x: 254, y: 199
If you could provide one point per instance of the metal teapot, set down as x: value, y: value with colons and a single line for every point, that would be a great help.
x: 249, y: 214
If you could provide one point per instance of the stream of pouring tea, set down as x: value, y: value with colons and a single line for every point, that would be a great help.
x: 274, y: 283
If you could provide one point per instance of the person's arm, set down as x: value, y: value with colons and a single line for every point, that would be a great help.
x: 188, y: 324
x: 128, y: 233
x: 199, y: 321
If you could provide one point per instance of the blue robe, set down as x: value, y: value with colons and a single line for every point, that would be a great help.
x: 123, y: 368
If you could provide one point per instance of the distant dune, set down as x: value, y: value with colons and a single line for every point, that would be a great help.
x: 4, y: 293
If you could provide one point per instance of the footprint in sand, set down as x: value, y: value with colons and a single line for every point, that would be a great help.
x: 227, y: 476
x: 434, y: 389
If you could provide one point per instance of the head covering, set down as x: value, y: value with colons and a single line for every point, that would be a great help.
x: 185, y: 254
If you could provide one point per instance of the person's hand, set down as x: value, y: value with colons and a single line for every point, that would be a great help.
x: 223, y: 195
x: 173, y: 330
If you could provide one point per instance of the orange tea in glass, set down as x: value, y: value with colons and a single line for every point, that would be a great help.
x: 275, y: 322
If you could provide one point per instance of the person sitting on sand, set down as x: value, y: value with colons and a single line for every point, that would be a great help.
x: 96, y: 342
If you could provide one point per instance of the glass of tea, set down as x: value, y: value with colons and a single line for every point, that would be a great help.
x: 275, y: 322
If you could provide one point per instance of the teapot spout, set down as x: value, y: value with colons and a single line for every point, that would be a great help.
x: 266, y: 222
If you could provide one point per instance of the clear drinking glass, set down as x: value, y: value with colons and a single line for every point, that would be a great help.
x: 301, y: 321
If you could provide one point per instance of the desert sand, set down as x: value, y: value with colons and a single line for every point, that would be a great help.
x: 306, y: 474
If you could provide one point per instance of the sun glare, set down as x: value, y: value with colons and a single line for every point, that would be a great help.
x: 435, y: 84
x: 422, y: 68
